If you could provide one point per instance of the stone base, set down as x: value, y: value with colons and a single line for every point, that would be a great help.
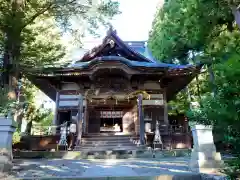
x: 7, y: 127
x: 5, y: 160
x: 204, y: 158
x: 205, y: 162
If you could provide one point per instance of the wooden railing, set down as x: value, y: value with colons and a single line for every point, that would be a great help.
x: 164, y: 130
x: 47, y: 130
x: 171, y: 129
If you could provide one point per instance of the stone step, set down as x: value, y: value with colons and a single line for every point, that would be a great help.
x: 107, y: 139
x: 108, y: 134
x: 104, y: 148
x: 108, y: 145
x: 104, y: 139
x: 110, y: 137
x: 105, y: 143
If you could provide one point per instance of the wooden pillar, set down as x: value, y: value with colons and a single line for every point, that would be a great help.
x: 134, y: 111
x: 165, y: 105
x: 55, y: 119
x: 141, y: 118
x: 85, y: 117
x: 79, y: 122
x: 188, y: 141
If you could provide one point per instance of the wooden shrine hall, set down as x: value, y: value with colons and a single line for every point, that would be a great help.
x: 117, y: 88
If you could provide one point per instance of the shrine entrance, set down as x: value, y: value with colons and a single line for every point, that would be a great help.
x: 111, y: 121
x: 111, y: 117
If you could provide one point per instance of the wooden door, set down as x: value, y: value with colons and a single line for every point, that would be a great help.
x: 94, y: 121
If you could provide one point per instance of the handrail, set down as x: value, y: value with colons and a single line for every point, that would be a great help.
x: 48, y: 130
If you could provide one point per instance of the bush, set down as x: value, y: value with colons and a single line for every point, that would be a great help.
x: 232, y: 169
x: 6, y: 101
x: 16, y: 137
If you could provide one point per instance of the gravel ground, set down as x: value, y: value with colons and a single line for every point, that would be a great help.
x: 98, y: 168
x: 124, y: 168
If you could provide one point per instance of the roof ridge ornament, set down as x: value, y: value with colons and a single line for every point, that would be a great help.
x: 111, y: 30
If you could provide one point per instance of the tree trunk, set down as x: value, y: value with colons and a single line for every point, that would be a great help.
x: 212, y: 79
x: 11, y: 59
x: 12, y: 44
x: 236, y: 14
x: 19, y: 120
x: 29, y: 128
x: 188, y: 94
x: 198, y: 87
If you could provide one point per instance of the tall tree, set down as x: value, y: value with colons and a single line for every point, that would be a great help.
x: 205, y: 30
x: 223, y: 110
x: 209, y: 30
x: 17, y: 15
x: 180, y: 27
x: 37, y: 50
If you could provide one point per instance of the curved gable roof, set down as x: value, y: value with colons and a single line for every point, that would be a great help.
x: 113, y: 41
x: 132, y: 53
x: 141, y: 48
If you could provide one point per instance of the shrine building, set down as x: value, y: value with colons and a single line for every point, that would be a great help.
x: 117, y: 88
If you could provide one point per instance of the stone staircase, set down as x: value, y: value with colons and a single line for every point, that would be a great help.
x: 107, y: 142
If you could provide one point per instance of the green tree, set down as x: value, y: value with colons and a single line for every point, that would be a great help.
x: 192, y: 31
x: 16, y: 17
x: 222, y: 111
x: 34, y: 114
x: 41, y: 44
x: 180, y: 28
x: 179, y: 35
x: 5, y: 101
x: 37, y: 50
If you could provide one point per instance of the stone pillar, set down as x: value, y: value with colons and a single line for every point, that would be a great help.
x: 204, y: 158
x: 7, y: 128
x: 141, y: 118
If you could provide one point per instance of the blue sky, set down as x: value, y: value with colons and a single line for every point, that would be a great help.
x: 136, y: 19
x: 134, y: 23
